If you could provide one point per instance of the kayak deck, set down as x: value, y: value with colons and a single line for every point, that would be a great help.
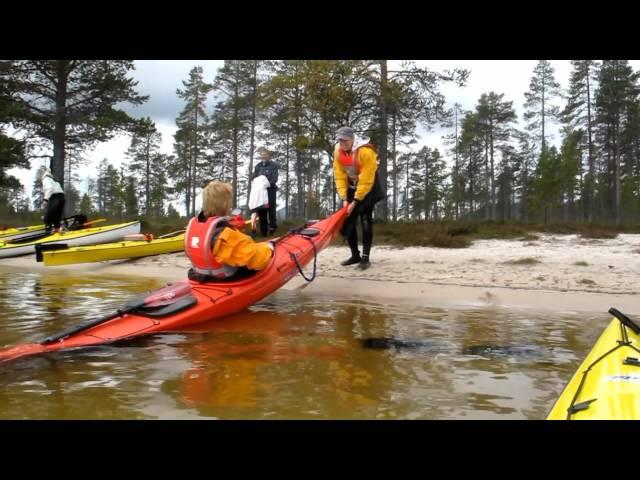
x: 606, y: 386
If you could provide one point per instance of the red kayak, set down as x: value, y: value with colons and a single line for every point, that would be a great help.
x: 186, y: 303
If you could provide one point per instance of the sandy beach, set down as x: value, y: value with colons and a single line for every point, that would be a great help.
x: 564, y: 273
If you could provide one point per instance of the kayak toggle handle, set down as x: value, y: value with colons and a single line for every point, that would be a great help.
x: 626, y: 321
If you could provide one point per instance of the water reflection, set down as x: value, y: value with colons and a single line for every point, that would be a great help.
x: 293, y: 355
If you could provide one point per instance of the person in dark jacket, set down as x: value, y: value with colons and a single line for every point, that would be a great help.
x: 268, y: 168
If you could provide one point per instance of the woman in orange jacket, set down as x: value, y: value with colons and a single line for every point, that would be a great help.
x: 355, y: 166
x: 217, y: 250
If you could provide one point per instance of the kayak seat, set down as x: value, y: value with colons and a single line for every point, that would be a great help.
x: 241, y: 274
x: 179, y: 305
x: 309, y: 232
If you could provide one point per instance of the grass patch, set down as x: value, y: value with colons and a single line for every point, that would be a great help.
x: 421, y: 234
x: 501, y: 231
x: 581, y: 264
x: 598, y: 233
x: 586, y: 281
x: 523, y: 261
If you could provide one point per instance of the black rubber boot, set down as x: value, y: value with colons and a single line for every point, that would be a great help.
x: 351, y: 261
x: 364, y: 262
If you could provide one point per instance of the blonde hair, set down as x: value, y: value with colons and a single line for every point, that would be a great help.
x: 216, y: 199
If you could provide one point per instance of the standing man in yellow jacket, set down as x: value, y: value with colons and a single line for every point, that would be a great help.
x: 355, y: 167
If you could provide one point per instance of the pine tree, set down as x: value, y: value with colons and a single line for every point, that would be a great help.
x: 452, y: 140
x: 144, y: 146
x: 159, y: 191
x: 523, y: 165
x: 232, y: 118
x: 546, y: 184
x: 569, y: 170
x: 615, y: 102
x: 579, y: 115
x: 191, y: 135
x: 472, y: 152
x: 540, y: 109
x: 429, y: 105
x: 494, y: 116
x: 86, y: 205
x: 130, y: 198
x: 69, y: 102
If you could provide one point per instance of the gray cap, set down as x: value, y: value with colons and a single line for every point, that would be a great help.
x: 345, y: 133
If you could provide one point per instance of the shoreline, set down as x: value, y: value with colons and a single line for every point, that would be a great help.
x: 555, y: 273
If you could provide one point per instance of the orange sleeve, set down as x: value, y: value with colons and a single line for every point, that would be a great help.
x: 236, y: 249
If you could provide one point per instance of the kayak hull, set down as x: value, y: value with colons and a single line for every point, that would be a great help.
x: 20, y: 232
x: 211, y: 300
x: 610, y: 390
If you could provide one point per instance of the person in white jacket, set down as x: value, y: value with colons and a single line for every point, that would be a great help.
x: 258, y: 201
x: 268, y: 168
x: 53, y: 199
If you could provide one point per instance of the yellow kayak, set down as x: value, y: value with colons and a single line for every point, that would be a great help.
x: 17, y: 233
x: 140, y: 247
x: 84, y: 236
x: 607, y: 384
x: 14, y: 233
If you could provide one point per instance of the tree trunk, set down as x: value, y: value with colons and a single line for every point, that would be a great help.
x: 147, y: 202
x: 590, y: 181
x: 457, y: 166
x: 542, y: 113
x: 382, y: 154
x: 492, y: 178
x: 234, y: 147
x: 288, y: 183
x: 487, y: 201
x: 426, y: 187
x: 194, y: 156
x: 395, y: 169
x: 525, y: 193
x: 234, y: 164
x: 471, y: 206
x: 60, y: 128
x: 616, y: 173
x: 406, y: 190
x: 187, y: 159
x: 253, y: 125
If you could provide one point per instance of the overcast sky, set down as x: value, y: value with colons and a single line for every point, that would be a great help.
x: 161, y: 78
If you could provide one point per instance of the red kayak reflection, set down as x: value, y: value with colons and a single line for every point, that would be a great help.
x: 230, y: 363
